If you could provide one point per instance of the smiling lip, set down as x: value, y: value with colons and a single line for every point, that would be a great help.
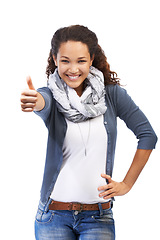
x: 73, y: 77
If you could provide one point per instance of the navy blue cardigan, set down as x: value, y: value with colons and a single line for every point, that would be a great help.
x: 119, y: 104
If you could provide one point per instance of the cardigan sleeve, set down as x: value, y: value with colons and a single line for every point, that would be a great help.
x: 134, y: 118
x: 45, y: 112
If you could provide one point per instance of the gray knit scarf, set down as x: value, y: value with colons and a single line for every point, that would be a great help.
x: 77, y: 109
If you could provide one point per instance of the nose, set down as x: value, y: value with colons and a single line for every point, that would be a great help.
x: 73, y: 69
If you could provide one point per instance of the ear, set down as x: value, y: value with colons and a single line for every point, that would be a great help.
x: 92, y: 59
x: 55, y: 60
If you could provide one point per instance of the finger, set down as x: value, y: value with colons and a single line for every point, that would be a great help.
x: 28, y: 105
x: 105, y: 187
x: 107, y: 177
x: 28, y: 92
x: 27, y: 109
x: 109, y: 196
x: 106, y: 193
x: 109, y: 193
x: 28, y: 99
x: 30, y: 84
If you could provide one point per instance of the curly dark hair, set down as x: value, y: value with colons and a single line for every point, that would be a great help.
x: 82, y: 34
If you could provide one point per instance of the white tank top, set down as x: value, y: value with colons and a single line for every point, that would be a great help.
x: 84, y: 159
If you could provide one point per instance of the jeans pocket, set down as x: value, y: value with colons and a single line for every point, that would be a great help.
x: 107, y: 217
x: 44, y: 217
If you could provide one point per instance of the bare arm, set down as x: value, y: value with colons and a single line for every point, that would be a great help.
x: 140, y: 159
x: 120, y: 188
x: 31, y: 100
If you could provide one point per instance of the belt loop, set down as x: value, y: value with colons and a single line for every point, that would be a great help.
x: 100, y: 209
x: 47, y: 205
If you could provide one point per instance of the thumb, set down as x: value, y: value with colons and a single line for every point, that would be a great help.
x: 30, y: 84
x: 109, y: 179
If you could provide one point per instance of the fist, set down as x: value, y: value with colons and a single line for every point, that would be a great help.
x: 29, y: 97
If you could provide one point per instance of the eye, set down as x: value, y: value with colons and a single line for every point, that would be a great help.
x: 82, y: 61
x: 65, y: 61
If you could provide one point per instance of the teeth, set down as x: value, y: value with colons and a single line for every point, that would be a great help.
x: 73, y: 77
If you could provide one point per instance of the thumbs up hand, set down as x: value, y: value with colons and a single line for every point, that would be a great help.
x: 29, y: 97
x: 31, y: 100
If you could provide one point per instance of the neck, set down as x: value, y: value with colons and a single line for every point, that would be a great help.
x: 79, y: 90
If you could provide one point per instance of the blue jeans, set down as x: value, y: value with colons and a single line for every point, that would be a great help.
x: 74, y: 225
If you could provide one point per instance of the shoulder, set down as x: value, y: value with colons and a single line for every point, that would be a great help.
x: 116, y: 93
x: 122, y: 101
x: 115, y: 90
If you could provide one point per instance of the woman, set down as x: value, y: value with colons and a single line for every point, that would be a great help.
x: 80, y: 107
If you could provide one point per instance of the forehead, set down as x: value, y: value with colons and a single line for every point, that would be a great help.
x: 73, y: 49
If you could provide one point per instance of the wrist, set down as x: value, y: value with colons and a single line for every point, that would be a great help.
x: 127, y: 185
x: 40, y: 103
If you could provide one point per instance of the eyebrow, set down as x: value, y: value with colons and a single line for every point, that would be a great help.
x: 68, y: 57
x: 81, y: 57
x: 64, y: 57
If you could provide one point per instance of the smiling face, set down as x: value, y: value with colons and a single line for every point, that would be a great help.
x: 73, y: 61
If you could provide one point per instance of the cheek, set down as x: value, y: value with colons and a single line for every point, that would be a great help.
x: 85, y: 69
x: 61, y: 69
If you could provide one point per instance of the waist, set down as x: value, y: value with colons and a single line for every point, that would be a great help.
x: 55, y: 205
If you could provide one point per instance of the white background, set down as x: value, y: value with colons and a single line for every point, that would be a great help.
x: 128, y: 31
